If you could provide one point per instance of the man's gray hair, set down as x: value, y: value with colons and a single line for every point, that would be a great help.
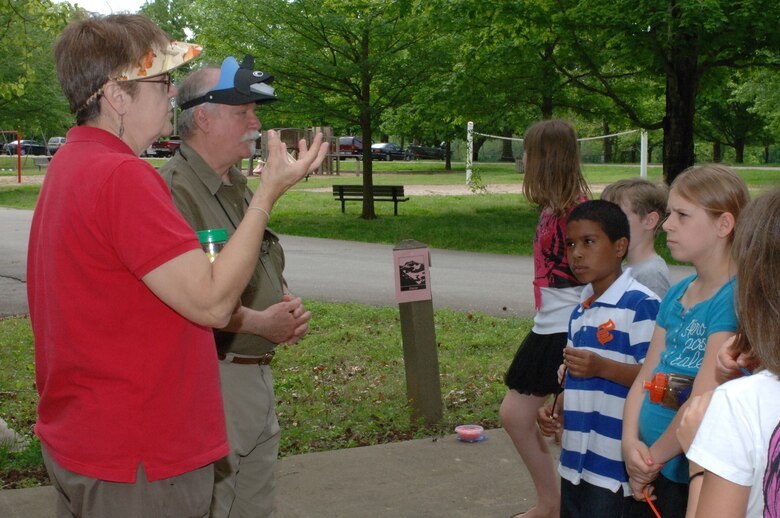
x: 197, y: 84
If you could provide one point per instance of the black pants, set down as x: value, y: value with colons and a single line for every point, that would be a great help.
x: 586, y: 500
x: 671, y: 501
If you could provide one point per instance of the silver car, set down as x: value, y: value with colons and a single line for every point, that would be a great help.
x: 55, y: 143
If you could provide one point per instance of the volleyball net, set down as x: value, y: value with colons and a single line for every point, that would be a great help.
x: 471, y: 134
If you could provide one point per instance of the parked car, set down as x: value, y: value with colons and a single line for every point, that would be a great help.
x: 164, y: 148
x: 348, y: 147
x: 387, y: 151
x: 414, y: 151
x: 55, y: 143
x: 28, y: 147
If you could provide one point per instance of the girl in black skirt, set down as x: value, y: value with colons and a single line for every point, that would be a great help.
x: 554, y: 182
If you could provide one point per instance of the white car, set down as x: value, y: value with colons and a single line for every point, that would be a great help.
x: 54, y: 144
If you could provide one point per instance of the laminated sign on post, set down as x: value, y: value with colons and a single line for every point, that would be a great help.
x: 411, y: 263
x: 412, y: 274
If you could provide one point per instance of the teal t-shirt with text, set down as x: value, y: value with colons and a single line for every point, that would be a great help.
x: 687, y: 332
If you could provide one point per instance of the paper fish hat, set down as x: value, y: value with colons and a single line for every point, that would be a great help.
x: 238, y: 84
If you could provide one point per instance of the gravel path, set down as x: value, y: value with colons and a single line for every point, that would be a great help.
x: 26, y: 179
x: 460, y: 190
x: 411, y: 190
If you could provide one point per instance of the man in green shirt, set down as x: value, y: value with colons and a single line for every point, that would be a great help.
x: 219, y: 128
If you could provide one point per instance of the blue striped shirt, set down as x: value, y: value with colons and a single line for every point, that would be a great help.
x: 618, y: 326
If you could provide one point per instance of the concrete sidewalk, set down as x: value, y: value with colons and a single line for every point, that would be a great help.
x: 440, y: 477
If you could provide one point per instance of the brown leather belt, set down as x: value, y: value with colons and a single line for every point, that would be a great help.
x: 243, y: 360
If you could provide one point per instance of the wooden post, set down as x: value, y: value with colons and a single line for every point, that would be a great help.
x: 413, y: 292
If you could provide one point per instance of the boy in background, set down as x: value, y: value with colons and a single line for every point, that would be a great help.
x: 644, y: 204
x: 609, y: 334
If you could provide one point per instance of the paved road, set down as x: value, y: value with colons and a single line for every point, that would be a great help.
x: 338, y: 271
x: 347, y: 271
x: 15, y: 230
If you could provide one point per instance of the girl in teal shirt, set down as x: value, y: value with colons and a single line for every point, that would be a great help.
x: 696, y: 317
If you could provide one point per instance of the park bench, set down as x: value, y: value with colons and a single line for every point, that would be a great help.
x: 394, y: 193
x: 41, y: 161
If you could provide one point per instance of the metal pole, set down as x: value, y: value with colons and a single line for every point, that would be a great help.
x: 469, y: 150
x: 19, y: 155
x: 643, y: 152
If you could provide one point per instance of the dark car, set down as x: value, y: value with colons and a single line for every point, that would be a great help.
x: 164, y: 148
x: 387, y: 151
x: 348, y: 147
x: 414, y: 151
x: 28, y: 147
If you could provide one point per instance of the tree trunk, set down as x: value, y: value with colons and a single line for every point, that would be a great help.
x: 365, y: 126
x: 681, y: 86
x: 717, y: 152
x: 448, y: 156
x: 766, y: 154
x: 607, y: 155
x: 368, y: 172
x: 506, y: 147
x: 547, y: 107
x: 549, y: 78
x: 739, y: 150
x: 478, y: 142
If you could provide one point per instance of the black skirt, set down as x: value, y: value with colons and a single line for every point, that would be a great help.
x: 534, y: 370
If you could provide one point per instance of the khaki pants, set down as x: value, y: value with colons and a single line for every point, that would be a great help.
x: 245, y: 480
x: 183, y: 496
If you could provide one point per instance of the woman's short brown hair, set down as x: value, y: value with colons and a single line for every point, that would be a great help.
x: 757, y: 252
x: 553, y: 174
x: 715, y: 188
x: 93, y: 50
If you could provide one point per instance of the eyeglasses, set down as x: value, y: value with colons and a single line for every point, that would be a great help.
x: 164, y: 79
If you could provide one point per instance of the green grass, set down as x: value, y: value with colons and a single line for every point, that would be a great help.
x: 18, y: 400
x: 19, y: 196
x: 343, y: 385
x: 496, y: 223
x: 433, y: 173
x: 759, y: 180
x: 9, y: 164
x: 501, y: 223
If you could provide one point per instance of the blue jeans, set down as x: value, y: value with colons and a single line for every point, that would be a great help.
x: 586, y: 500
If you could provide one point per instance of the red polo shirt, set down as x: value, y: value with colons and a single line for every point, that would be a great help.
x: 122, y: 377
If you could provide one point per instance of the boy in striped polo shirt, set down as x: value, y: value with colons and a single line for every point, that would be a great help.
x: 609, y: 334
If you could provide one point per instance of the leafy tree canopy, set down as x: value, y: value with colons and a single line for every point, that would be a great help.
x: 30, y: 95
x: 173, y: 16
x: 23, y: 23
x: 337, y: 63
